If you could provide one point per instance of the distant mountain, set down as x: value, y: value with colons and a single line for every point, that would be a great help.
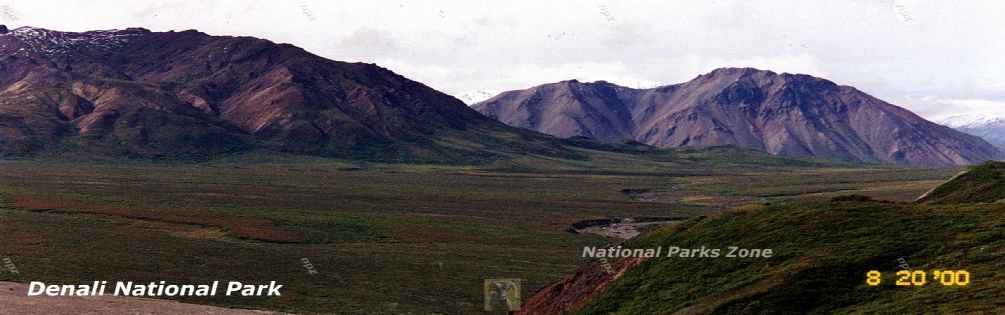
x: 473, y: 97
x: 787, y: 114
x: 989, y: 128
x: 139, y: 93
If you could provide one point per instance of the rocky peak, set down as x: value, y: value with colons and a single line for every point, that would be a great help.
x: 736, y: 74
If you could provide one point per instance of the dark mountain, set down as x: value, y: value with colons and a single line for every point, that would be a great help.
x: 139, y: 93
x: 788, y: 114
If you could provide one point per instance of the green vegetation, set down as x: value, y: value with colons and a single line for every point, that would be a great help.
x: 383, y: 237
x: 822, y: 252
x: 982, y: 183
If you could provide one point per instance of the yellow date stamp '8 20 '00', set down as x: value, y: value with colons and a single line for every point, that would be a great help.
x: 960, y: 278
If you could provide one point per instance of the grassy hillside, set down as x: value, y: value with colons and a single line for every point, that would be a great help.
x: 822, y: 252
x: 982, y: 183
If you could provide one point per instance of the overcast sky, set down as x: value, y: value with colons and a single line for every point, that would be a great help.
x: 938, y: 58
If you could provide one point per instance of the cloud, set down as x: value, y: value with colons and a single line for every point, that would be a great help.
x: 945, y: 108
x: 365, y: 44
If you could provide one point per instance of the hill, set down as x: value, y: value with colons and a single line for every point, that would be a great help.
x: 821, y: 255
x: 982, y: 183
x: 788, y: 114
x: 138, y: 93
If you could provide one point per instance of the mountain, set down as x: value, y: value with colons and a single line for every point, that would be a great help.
x: 139, y: 93
x: 787, y: 114
x: 989, y: 128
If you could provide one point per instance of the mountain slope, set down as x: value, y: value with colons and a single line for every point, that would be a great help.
x: 566, y: 109
x: 163, y: 94
x: 991, y: 129
x: 786, y: 114
x: 821, y: 255
x: 981, y: 183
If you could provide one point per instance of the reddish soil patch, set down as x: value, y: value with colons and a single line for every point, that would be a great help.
x: 29, y: 203
x: 575, y: 290
x: 22, y: 239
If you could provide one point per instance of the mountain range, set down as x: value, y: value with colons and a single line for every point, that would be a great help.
x: 138, y: 93
x: 787, y: 114
x: 989, y: 128
x: 187, y: 94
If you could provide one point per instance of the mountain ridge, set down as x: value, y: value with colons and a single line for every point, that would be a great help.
x: 788, y: 114
x: 140, y: 93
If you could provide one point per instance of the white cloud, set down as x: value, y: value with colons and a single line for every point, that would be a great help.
x: 967, y: 107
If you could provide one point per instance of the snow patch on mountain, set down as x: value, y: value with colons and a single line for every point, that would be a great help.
x: 971, y: 120
x: 990, y: 128
x: 472, y: 97
x: 49, y: 43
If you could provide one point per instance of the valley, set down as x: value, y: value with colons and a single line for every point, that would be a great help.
x: 380, y: 237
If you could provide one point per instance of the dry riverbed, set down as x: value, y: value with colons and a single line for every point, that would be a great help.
x: 618, y: 228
